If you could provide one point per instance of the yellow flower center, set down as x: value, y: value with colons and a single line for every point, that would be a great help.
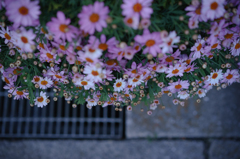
x: 24, y: 39
x: 94, y: 18
x: 23, y: 10
x: 119, y: 84
x: 150, y: 43
x: 214, y: 5
x: 137, y: 7
x: 40, y: 99
x: 44, y: 83
x: 175, y: 71
x: 7, y: 36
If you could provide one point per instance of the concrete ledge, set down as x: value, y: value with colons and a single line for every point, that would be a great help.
x: 100, y: 149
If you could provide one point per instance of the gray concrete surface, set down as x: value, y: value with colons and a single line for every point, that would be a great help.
x: 224, y: 149
x: 212, y: 129
x: 92, y: 149
x: 218, y: 115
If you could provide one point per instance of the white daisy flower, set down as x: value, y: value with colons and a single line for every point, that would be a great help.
x: 92, y: 52
x: 153, y: 106
x: 91, y: 102
x: 24, y: 39
x: 119, y: 85
x: 215, y: 77
x: 132, y: 22
x: 87, y: 84
x: 135, y: 81
x: 183, y: 94
x: 94, y: 73
x: 41, y: 101
x: 5, y: 34
x: 156, y: 101
x: 45, y: 83
x: 201, y: 93
x: 36, y: 79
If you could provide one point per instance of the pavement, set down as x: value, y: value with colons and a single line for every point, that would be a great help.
x: 208, y: 130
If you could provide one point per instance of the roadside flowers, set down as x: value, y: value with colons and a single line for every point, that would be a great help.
x: 118, y: 53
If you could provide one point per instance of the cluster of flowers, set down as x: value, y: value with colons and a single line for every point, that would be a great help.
x: 84, y: 65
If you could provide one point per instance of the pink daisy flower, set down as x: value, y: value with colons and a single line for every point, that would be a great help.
x: 198, y: 48
x: 120, y: 52
x: 176, y: 70
x: 77, y: 77
x: 151, y: 41
x: 192, y: 24
x: 45, y: 83
x: 169, y: 59
x: 10, y: 87
x: 137, y: 8
x: 47, y: 55
x: 103, y: 43
x: 190, y: 68
x: 58, y: 76
x: 213, y: 9
x: 23, y: 12
x: 134, y: 70
x: 113, y: 64
x: 214, y: 44
x: 230, y: 76
x: 92, y: 17
x: 218, y: 27
x: 177, y: 86
x: 195, y: 13
x: 236, y: 18
x: 145, y: 23
x: 60, y: 27
x: 24, y: 39
x: 71, y: 58
x: 19, y: 94
x: 235, y: 49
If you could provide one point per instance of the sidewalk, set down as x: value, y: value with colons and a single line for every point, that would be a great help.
x: 209, y: 130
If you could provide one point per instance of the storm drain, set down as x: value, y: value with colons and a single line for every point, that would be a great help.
x: 58, y: 120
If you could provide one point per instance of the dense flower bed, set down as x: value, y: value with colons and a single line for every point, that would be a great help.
x: 118, y: 52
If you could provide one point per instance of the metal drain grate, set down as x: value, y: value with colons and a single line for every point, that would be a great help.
x: 57, y: 120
